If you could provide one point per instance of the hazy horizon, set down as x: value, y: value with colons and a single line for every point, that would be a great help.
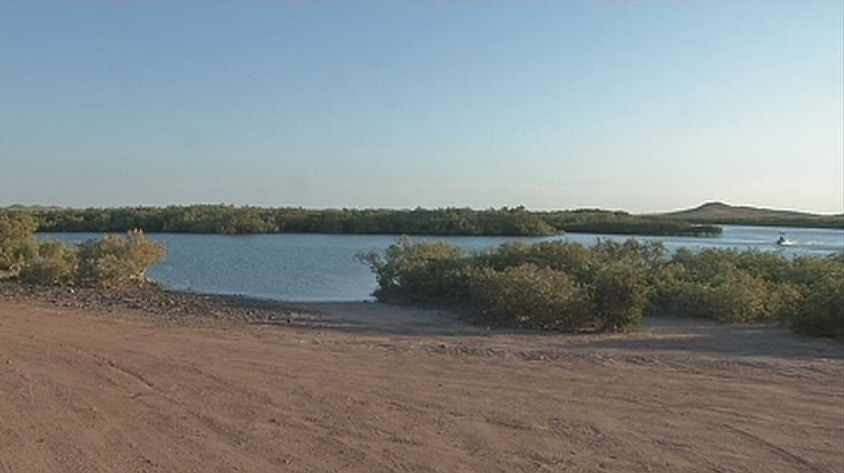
x: 47, y: 206
x: 636, y: 106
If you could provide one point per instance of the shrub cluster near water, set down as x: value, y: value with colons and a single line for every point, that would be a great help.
x: 110, y: 262
x: 612, y: 286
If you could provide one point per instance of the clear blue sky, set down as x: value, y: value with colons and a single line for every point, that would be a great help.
x: 641, y: 106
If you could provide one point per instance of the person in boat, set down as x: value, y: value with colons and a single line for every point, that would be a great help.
x: 781, y: 240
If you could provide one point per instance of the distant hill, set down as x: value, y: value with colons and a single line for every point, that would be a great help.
x: 31, y: 207
x: 719, y: 212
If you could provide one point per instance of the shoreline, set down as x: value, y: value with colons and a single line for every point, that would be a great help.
x: 188, y: 308
x: 163, y: 304
x: 400, y: 321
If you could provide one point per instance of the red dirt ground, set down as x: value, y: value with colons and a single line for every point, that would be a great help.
x: 89, y: 391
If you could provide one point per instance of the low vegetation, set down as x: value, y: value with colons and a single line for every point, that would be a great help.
x: 18, y: 245
x: 612, y: 286
x: 221, y: 219
x: 108, y: 263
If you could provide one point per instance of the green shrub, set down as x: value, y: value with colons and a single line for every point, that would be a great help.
x: 706, y: 266
x: 811, y: 271
x: 647, y: 254
x: 771, y: 267
x: 563, y: 285
x: 736, y: 296
x: 507, y: 255
x: 115, y: 261
x: 419, y: 271
x: 571, y: 258
x: 735, y: 286
x: 55, y: 264
x: 822, y: 314
x: 785, y: 301
x: 530, y: 296
x: 620, y: 295
x: 17, y: 241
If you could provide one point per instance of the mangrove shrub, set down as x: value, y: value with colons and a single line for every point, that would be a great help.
x: 113, y: 261
x: 530, y: 295
x: 612, y: 285
x: 419, y: 271
x: 56, y: 264
x: 17, y: 241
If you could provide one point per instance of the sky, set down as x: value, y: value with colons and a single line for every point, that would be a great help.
x: 636, y: 105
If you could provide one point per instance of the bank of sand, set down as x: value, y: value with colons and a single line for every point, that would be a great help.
x: 93, y: 386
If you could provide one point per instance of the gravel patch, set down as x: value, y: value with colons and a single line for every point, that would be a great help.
x: 166, y: 305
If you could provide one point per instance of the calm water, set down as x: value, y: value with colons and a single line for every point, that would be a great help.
x: 299, y: 267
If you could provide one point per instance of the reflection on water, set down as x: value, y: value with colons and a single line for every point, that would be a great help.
x: 300, y: 267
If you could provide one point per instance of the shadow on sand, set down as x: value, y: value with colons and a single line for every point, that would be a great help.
x: 667, y: 334
x: 659, y: 334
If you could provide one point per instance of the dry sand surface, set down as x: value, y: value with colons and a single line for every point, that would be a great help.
x: 373, y: 388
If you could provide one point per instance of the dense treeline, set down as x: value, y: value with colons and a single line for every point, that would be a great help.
x: 221, y: 219
x: 109, y: 262
x: 611, y: 286
x: 623, y: 223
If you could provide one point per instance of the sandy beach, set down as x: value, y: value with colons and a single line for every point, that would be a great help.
x: 195, y: 384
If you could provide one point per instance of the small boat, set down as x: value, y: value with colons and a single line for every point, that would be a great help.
x: 783, y: 241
